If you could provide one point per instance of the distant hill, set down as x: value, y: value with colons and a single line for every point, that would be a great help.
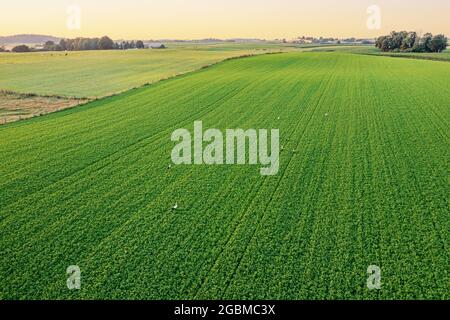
x: 27, y: 38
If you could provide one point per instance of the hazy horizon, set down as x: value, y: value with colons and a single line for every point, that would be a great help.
x: 201, y: 19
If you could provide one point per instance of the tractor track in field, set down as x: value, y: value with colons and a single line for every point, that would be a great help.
x: 315, y: 108
x: 234, y: 233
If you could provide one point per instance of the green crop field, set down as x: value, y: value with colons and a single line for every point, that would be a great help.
x: 87, y: 74
x: 363, y: 181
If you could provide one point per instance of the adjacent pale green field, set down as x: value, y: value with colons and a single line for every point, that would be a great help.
x: 101, y: 73
x: 370, y: 49
x: 444, y: 56
x: 368, y: 185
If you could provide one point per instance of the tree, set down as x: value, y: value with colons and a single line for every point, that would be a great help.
x: 409, y: 41
x: 397, y: 39
x: 106, y: 43
x: 63, y: 44
x: 49, y: 46
x: 94, y: 44
x: 385, y: 43
x: 21, y: 48
x: 438, y: 43
x: 424, y: 42
x: 379, y: 43
x: 140, y: 44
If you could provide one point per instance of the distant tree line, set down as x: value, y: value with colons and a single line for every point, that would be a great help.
x: 404, y: 41
x: 124, y: 45
x: 103, y: 43
x: 81, y: 44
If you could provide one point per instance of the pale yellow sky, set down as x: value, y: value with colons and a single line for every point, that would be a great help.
x: 189, y: 19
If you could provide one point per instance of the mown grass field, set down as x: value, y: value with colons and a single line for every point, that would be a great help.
x: 15, y: 106
x: 88, y: 74
x: 368, y: 185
